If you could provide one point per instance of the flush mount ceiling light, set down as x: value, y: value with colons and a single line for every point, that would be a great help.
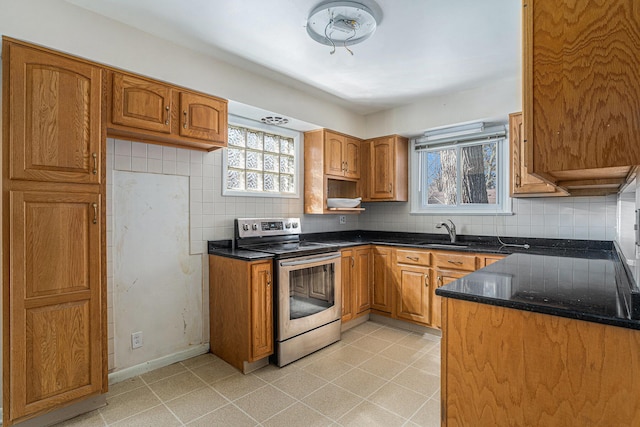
x: 341, y: 23
x: 275, y: 120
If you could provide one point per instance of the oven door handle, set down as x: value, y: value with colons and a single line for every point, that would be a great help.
x: 309, y: 260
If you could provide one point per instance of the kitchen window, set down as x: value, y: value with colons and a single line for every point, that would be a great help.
x: 260, y: 160
x: 461, y: 175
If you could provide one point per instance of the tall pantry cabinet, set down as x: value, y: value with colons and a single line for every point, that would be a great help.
x: 53, y: 198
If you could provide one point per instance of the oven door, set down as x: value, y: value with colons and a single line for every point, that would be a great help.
x: 309, y: 293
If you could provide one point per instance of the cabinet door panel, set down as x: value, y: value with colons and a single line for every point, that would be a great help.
x: 333, y: 150
x: 141, y: 104
x: 383, y: 169
x: 203, y: 117
x: 351, y: 157
x: 363, y: 273
x: 261, y: 311
x: 55, y: 352
x: 381, y: 289
x: 413, y: 293
x: 54, y: 117
x: 348, y: 266
x: 443, y: 277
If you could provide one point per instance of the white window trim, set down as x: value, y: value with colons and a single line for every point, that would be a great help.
x: 504, y: 208
x: 252, y: 124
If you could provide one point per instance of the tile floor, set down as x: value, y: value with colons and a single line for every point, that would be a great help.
x: 376, y: 375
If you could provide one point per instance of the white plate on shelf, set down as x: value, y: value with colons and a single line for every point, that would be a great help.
x: 333, y: 202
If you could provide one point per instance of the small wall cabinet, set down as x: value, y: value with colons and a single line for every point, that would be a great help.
x: 387, y: 169
x: 147, y: 110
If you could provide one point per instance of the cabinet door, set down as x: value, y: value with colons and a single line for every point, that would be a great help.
x: 443, y: 277
x: 382, y: 277
x: 55, y: 345
x: 55, y: 126
x: 363, y: 275
x: 203, y: 117
x: 351, y: 156
x: 381, y: 185
x: 333, y: 154
x: 261, y: 311
x: 141, y: 104
x: 414, y: 283
x: 348, y: 267
x: 488, y: 260
x: 523, y: 183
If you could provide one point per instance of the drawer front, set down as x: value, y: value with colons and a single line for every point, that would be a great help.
x: 407, y: 256
x: 455, y: 261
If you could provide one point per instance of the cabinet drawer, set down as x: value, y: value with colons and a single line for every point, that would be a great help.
x: 455, y: 261
x: 406, y: 256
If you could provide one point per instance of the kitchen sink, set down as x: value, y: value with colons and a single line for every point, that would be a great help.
x: 443, y: 245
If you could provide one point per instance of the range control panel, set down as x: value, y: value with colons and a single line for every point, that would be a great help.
x: 261, y: 227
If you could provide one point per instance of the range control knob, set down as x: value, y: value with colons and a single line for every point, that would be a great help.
x: 295, y: 225
x: 254, y: 227
x: 288, y: 225
x: 245, y: 227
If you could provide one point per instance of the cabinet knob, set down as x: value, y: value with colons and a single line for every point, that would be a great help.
x: 413, y: 258
x: 426, y: 280
x: 184, y: 125
x: 268, y: 279
x: 450, y: 261
x: 166, y: 122
x: 95, y: 212
x: 95, y: 163
x: 390, y: 187
x: 353, y: 262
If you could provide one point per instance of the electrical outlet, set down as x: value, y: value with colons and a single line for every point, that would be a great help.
x: 136, y: 340
x: 343, y: 219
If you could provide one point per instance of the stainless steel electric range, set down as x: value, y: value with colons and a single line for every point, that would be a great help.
x: 308, y: 291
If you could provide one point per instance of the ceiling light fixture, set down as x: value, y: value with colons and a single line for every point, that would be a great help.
x: 275, y: 120
x: 341, y: 23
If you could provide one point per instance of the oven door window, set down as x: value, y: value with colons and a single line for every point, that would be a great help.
x: 311, y: 290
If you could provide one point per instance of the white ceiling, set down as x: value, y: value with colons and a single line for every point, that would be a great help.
x: 421, y: 47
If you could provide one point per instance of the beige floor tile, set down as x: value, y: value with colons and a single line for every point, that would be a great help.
x: 359, y: 382
x: 162, y: 373
x: 127, y: 404
x: 350, y: 355
x: 370, y: 415
x: 429, y: 363
x: 196, y: 404
x: 418, y: 381
x: 389, y: 334
x: 299, y: 384
x: 203, y: 359
x: 398, y: 400
x: 177, y: 385
x: 298, y: 415
x: 272, y: 373
x: 401, y: 354
x: 350, y: 336
x: 328, y: 369
x: 309, y: 359
x: 332, y: 401
x: 158, y: 416
x: 428, y: 415
x: 419, y: 342
x: 367, y: 327
x: 382, y: 367
x: 90, y: 419
x: 372, y: 344
x: 238, y: 385
x: 125, y: 386
x: 226, y: 416
x: 264, y: 403
x: 214, y: 371
x: 435, y: 350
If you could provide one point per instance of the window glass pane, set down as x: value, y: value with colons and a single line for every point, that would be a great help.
x: 441, y: 177
x: 254, y: 160
x: 286, y: 184
x: 235, y: 179
x: 235, y: 158
x: 478, y: 170
x: 254, y: 181
x: 254, y: 140
x: 236, y: 136
x: 286, y: 164
x: 270, y: 162
x: 286, y: 146
x: 271, y: 143
x: 271, y: 182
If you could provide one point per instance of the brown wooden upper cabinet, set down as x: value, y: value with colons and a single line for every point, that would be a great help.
x: 582, y: 93
x: 151, y: 111
x: 387, y: 160
x: 523, y: 184
x: 54, y: 112
x: 342, y: 155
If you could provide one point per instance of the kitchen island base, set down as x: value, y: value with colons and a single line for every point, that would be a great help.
x: 502, y: 366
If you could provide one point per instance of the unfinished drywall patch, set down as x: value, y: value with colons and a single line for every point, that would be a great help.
x: 157, y: 283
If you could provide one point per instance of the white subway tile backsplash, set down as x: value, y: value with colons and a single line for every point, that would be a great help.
x: 168, y: 167
x: 169, y: 153
x: 122, y: 163
x: 139, y: 149
x: 183, y: 155
x: 182, y: 168
x: 122, y: 148
x: 154, y: 165
x: 154, y: 151
x: 139, y: 164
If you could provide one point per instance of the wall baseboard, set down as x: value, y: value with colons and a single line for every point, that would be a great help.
x: 142, y: 368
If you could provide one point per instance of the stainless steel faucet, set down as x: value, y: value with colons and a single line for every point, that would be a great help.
x: 450, y: 229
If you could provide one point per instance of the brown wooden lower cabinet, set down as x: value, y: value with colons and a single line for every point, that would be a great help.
x: 507, y: 367
x: 356, y: 275
x: 240, y: 303
x: 413, y: 293
x: 382, y: 287
x: 443, y: 277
